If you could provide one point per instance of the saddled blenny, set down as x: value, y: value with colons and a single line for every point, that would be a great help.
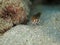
x: 35, y: 19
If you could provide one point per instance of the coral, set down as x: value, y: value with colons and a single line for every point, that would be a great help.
x: 13, y: 12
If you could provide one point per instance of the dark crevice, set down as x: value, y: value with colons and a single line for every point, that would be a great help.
x: 50, y: 2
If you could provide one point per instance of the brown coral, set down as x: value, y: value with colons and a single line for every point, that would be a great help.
x: 13, y: 12
x: 17, y: 14
x: 13, y: 15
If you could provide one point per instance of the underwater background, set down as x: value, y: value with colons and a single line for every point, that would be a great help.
x: 46, y: 33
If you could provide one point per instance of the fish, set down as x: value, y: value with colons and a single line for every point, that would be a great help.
x: 35, y: 18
